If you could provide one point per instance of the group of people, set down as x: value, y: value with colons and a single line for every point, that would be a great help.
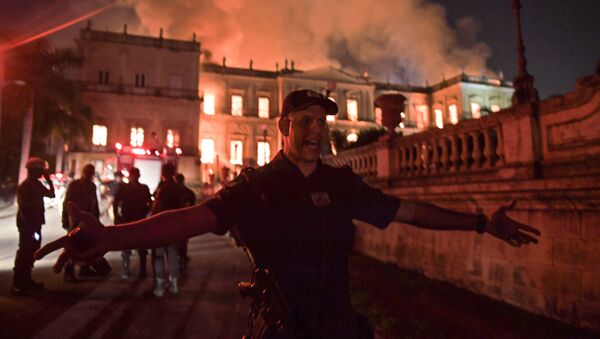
x: 132, y: 201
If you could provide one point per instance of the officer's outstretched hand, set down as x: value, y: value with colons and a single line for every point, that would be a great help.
x: 509, y: 230
x: 86, y: 243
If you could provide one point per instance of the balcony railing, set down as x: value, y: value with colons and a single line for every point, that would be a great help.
x: 190, y: 94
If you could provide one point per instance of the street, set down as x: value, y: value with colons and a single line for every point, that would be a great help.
x: 208, y: 305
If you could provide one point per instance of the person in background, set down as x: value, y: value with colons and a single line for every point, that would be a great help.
x: 81, y: 191
x: 132, y: 202
x: 168, y: 196
x: 190, y: 200
x: 30, y: 218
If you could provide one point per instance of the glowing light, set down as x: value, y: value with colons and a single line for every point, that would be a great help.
x: 475, y: 110
x: 352, y: 137
x: 99, y: 135
x: 209, y: 104
x: 378, y: 115
x: 236, y: 149
x: 118, y: 146
x: 178, y: 151
x: 147, y: 152
x: 423, y: 116
x: 495, y: 108
x: 207, y: 147
x: 352, y: 108
x: 138, y: 151
x: 237, y: 105
x: 453, y: 109
x: 172, y: 138
x: 263, y: 153
x: 136, y: 137
x: 263, y: 108
x: 157, y: 153
x: 439, y: 118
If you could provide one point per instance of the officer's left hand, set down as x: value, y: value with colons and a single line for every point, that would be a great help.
x: 509, y: 230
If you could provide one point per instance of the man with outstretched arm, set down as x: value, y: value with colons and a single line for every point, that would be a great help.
x: 295, y: 215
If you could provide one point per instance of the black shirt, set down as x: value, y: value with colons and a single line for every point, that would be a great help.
x: 134, y: 200
x: 301, y: 228
x: 30, y: 197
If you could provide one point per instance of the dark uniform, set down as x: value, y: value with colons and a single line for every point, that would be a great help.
x: 82, y: 192
x: 132, y: 202
x: 30, y: 218
x: 189, y: 200
x: 301, y: 229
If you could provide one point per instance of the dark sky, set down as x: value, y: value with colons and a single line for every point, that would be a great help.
x: 562, y: 37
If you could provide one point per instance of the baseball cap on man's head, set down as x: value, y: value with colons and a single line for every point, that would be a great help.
x: 304, y: 98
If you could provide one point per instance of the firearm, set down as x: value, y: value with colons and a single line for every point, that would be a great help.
x: 264, y: 288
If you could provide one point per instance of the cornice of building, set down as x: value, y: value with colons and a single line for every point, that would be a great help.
x: 88, y: 34
x: 210, y: 67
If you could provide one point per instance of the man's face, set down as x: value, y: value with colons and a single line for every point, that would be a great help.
x: 306, y: 134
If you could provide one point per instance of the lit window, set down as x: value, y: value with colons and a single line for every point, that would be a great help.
x: 453, y: 110
x: 172, y: 138
x: 236, y: 152
x: 103, y: 77
x: 237, y: 105
x: 352, y: 106
x: 136, y: 137
x: 378, y: 115
x: 99, y: 135
x: 439, y: 118
x: 352, y: 137
x: 263, y: 107
x: 495, y: 108
x: 207, y: 147
x: 475, y: 110
x: 140, y: 80
x: 209, y: 104
x: 423, y: 116
x: 264, y: 153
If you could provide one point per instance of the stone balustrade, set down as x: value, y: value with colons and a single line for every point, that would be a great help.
x: 546, y: 159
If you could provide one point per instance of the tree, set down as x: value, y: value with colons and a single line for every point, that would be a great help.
x: 60, y: 115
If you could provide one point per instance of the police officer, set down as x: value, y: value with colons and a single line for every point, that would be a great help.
x: 132, y: 202
x: 30, y: 218
x: 295, y: 214
x: 81, y: 191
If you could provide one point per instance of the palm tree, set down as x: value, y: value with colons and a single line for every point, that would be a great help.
x: 60, y: 116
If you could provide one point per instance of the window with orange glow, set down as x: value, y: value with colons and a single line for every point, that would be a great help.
x: 453, y: 111
x: 422, y: 116
x: 208, y: 104
x: 172, y: 138
x: 207, y: 147
x: 236, y: 151
x: 352, y: 137
x: 237, y: 105
x: 475, y: 110
x: 439, y: 118
x: 136, y: 137
x: 263, y: 153
x: 378, y: 116
x: 495, y: 108
x: 352, y: 108
x: 263, y: 107
x: 99, y: 135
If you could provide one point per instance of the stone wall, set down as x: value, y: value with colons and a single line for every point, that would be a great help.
x: 478, y: 165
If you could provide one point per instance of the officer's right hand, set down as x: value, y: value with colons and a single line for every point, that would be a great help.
x: 87, y: 243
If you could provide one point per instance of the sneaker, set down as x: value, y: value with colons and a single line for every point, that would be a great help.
x: 159, y: 288
x: 174, y: 288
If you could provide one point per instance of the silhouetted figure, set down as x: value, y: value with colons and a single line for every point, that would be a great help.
x: 168, y: 196
x: 132, y: 202
x: 30, y: 218
x: 190, y: 200
x: 82, y: 192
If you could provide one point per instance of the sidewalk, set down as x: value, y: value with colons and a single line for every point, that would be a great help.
x: 8, y: 211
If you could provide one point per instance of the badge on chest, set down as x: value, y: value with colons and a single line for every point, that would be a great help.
x: 320, y: 199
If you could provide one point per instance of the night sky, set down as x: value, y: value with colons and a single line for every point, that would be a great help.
x: 562, y: 37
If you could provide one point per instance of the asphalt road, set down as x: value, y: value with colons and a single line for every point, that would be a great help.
x: 208, y: 305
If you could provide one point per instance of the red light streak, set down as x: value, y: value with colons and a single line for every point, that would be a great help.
x: 55, y: 29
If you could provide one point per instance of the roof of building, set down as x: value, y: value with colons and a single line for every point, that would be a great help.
x: 330, y: 73
x: 139, y: 40
x: 249, y: 72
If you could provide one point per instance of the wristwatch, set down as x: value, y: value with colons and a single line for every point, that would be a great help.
x: 481, y: 223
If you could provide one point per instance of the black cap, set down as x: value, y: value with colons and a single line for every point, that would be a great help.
x: 304, y: 98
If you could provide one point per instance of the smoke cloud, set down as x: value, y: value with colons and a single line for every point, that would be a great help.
x: 395, y: 40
